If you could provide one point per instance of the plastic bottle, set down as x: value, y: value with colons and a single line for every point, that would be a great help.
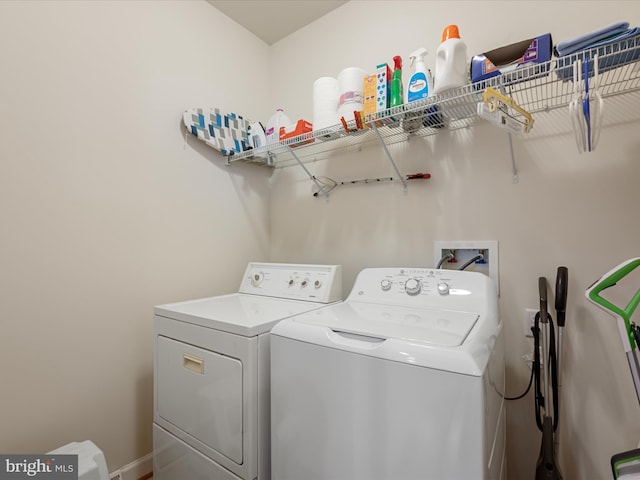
x: 451, y: 61
x: 420, y: 84
x: 277, y: 120
x: 395, y: 94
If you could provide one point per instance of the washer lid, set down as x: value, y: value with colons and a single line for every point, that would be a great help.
x: 242, y: 314
x: 450, y: 340
x: 437, y: 327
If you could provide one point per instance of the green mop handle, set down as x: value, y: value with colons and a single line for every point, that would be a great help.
x: 609, y: 279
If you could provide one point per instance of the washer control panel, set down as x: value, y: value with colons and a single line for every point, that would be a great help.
x: 421, y: 286
x: 317, y: 283
x: 415, y: 282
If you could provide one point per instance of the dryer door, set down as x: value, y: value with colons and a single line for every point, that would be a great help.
x: 200, y: 392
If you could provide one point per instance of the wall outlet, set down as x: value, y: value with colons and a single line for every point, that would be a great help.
x: 528, y: 358
x: 529, y: 321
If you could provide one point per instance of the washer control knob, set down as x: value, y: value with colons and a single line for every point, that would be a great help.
x: 256, y: 278
x: 443, y: 289
x: 385, y: 285
x: 413, y: 286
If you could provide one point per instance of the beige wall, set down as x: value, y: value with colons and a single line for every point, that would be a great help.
x: 106, y: 212
x: 567, y: 209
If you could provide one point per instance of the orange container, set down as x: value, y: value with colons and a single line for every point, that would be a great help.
x: 302, y: 126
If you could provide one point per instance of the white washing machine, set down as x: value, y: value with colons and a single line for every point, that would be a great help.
x: 401, y: 381
x: 211, y: 372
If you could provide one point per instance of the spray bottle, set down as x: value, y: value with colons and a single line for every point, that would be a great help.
x: 396, y: 83
x: 421, y: 83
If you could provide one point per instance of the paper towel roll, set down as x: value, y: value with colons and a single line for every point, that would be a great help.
x: 325, y: 103
x: 350, y: 92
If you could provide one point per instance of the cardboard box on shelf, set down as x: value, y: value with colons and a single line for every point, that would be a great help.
x: 512, y: 58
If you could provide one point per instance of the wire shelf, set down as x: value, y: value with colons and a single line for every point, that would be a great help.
x: 536, y: 88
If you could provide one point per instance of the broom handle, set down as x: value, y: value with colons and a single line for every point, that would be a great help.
x: 544, y: 319
x: 562, y: 277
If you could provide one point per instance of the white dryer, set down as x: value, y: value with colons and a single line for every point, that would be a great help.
x: 211, y: 372
x: 401, y: 381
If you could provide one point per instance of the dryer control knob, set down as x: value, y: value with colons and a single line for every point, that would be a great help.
x: 304, y: 283
x: 256, y: 279
x: 317, y: 284
x: 385, y: 284
x: 443, y: 289
x: 413, y: 286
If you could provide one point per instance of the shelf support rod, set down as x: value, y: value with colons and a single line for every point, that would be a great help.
x: 321, y: 189
x: 514, y: 169
x: 386, y: 151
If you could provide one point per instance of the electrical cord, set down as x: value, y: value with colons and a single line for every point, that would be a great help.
x: 522, y: 395
x: 535, y: 371
x: 540, y: 401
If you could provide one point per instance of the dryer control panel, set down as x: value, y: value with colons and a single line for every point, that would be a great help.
x: 315, y: 283
x: 424, y: 287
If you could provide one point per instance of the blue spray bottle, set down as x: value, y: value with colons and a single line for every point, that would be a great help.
x: 420, y: 83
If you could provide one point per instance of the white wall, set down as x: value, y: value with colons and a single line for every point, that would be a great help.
x: 105, y: 212
x: 567, y: 209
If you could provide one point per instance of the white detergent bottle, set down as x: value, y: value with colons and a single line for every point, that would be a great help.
x: 277, y: 120
x: 420, y: 83
x: 451, y: 61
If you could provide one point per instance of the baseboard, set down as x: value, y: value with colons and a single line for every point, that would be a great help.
x: 139, y: 469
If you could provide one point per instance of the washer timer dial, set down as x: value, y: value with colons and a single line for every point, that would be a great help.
x: 413, y: 286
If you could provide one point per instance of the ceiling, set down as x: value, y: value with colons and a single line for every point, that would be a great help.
x: 273, y: 20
